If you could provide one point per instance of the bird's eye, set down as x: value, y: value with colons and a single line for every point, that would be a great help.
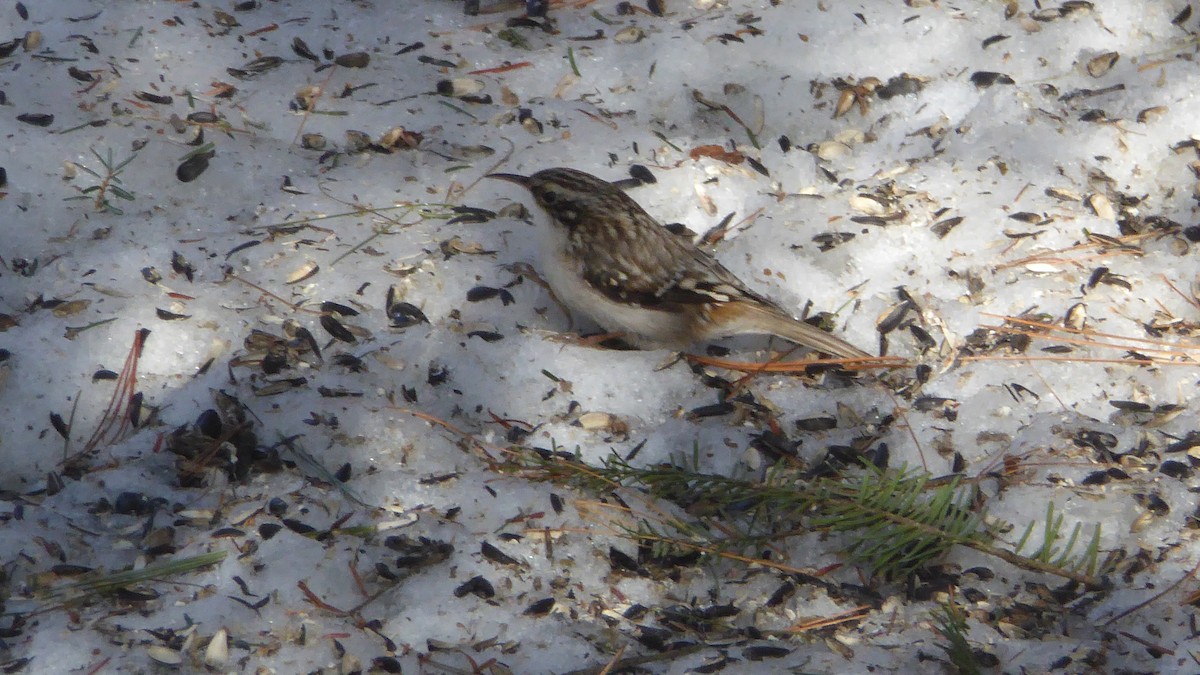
x: 549, y: 196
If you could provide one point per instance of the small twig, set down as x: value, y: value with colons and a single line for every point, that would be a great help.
x: 902, y: 412
x: 1146, y: 643
x: 1049, y: 387
x: 70, y: 426
x: 501, y: 69
x: 798, y: 366
x: 115, y: 414
x: 499, y: 163
x: 1190, y: 301
x: 1093, y: 343
x: 1055, y: 256
x: 713, y: 105
x: 1081, y: 359
x: 479, y: 445
x: 855, y: 614
x: 373, y: 597
x: 318, y: 602
x: 312, y: 107
x: 358, y: 211
x: 614, y: 661
x: 1052, y: 328
x: 1154, y: 598
x: 294, y: 306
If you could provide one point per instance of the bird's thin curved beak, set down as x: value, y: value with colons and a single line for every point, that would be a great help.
x: 523, y: 181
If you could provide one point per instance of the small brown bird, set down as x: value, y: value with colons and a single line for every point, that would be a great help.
x: 606, y: 257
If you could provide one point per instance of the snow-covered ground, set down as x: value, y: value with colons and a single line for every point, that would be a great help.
x: 967, y: 160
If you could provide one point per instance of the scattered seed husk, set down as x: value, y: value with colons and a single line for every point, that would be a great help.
x: 1102, y: 206
x: 1100, y: 64
x: 216, y: 654
x: 1151, y: 114
x: 831, y: 150
x: 70, y: 308
x: 253, y: 69
x: 36, y: 119
x: 312, y: 141
x: 164, y: 655
x: 984, y: 79
x: 192, y: 167
x: 460, y: 87
x: 304, y: 271
x: 1063, y: 194
x: 150, y: 97
x: 629, y: 35
x: 353, y: 60
x: 81, y: 75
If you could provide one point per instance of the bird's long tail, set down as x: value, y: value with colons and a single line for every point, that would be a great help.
x: 757, y: 319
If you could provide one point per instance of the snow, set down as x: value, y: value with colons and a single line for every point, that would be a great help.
x: 951, y: 149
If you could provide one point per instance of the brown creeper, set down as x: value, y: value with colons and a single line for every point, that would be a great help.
x: 606, y: 257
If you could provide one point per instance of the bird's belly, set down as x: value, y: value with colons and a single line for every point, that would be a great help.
x: 641, y: 326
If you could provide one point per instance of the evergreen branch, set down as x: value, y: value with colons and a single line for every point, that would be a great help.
x: 898, y: 520
x: 100, y: 583
x: 952, y: 625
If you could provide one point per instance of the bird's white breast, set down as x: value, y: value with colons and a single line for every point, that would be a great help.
x: 562, y: 268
